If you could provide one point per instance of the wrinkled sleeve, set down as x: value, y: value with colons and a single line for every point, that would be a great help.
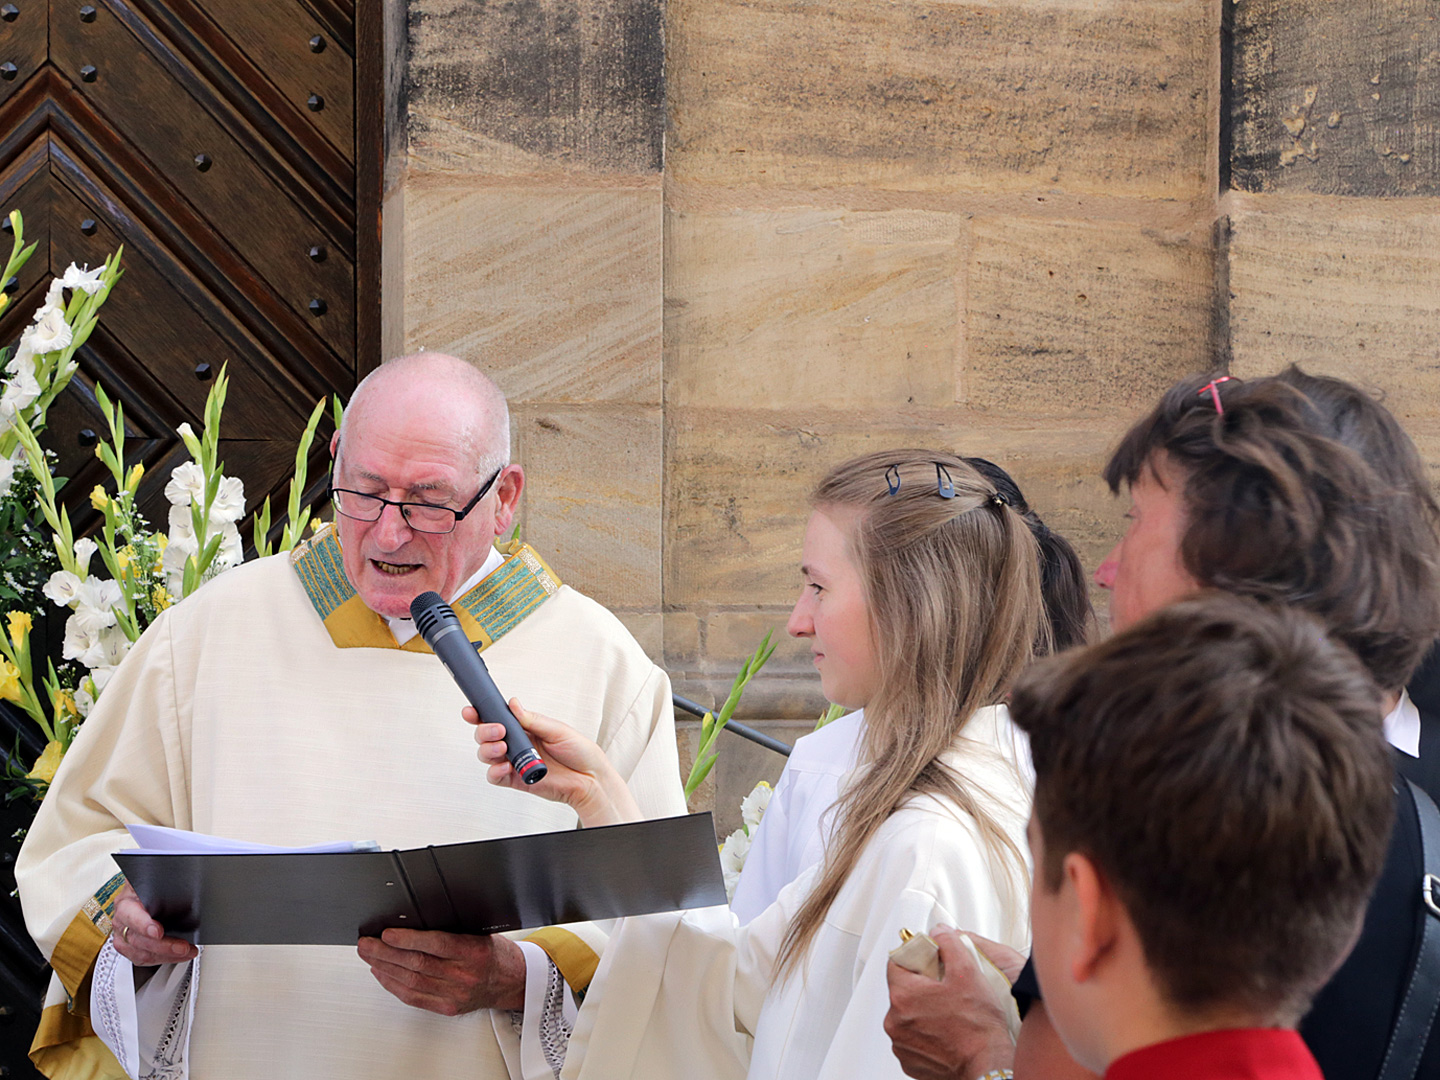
x: 767, y: 867
x: 128, y: 763
x: 643, y: 749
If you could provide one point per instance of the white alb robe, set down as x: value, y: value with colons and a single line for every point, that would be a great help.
x: 237, y: 715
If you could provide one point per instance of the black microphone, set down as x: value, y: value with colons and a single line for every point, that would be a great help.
x: 443, y: 633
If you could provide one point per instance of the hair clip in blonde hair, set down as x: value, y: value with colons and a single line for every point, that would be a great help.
x: 999, y: 498
x: 944, y: 483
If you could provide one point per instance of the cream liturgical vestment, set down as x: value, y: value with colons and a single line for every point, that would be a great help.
x: 694, y: 996
x: 273, y: 707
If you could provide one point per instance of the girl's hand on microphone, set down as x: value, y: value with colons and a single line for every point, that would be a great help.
x: 578, y: 772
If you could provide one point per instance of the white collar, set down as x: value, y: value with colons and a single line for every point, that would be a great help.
x: 404, y: 629
x: 1402, y: 726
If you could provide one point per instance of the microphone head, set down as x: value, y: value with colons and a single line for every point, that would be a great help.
x: 428, y: 609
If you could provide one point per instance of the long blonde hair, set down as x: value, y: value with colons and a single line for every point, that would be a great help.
x: 952, y: 589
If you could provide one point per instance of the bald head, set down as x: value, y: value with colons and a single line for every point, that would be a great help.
x: 462, y: 401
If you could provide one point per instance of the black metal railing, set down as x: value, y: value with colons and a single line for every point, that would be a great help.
x: 745, y: 732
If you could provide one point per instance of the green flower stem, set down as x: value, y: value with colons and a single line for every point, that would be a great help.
x: 298, y: 516
x: 57, y: 518
x: 206, y: 453
x: 711, y: 725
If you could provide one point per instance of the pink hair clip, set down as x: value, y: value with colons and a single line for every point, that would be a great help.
x: 1213, y: 388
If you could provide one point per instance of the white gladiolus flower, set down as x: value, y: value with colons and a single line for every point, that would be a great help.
x: 187, y: 485
x: 182, y: 544
x: 95, y: 603
x: 54, y: 299
x: 752, y: 807
x: 51, y: 333
x: 182, y: 527
x: 62, y: 588
x: 87, y: 280
x: 108, y: 649
x: 232, y: 549
x: 24, y: 358
x: 99, y: 676
x: 83, y: 702
x: 229, y: 504
x: 7, y: 476
x: 78, y: 639
x: 732, y: 860
x: 85, y: 549
x: 20, y: 391
x: 185, y: 431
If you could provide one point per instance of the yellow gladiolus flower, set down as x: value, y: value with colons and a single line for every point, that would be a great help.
x: 133, y: 480
x: 20, y: 624
x: 98, y: 498
x: 63, y: 702
x: 124, y: 557
x: 162, y: 540
x: 9, y: 681
x: 47, y: 763
x: 4, y: 301
x: 161, y: 598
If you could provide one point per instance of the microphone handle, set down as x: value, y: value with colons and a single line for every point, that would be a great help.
x: 473, y: 678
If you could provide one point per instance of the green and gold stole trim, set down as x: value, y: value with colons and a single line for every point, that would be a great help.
x: 487, y: 612
x: 65, y: 1045
x: 82, y: 940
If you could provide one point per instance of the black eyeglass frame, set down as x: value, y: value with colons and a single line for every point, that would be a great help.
x: 404, y: 507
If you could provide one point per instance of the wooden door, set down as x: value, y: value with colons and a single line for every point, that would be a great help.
x: 232, y: 146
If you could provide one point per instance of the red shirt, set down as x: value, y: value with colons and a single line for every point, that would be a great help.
x: 1238, y: 1054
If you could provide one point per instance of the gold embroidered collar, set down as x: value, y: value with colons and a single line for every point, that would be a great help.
x: 489, y: 611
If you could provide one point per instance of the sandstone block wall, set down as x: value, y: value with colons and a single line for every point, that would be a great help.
x: 1333, y: 256
x: 711, y: 247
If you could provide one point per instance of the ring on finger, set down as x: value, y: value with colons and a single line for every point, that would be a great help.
x: 125, y: 935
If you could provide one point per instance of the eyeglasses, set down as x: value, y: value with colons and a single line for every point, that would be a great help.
x: 422, y: 517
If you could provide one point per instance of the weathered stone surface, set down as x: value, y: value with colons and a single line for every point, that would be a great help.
x: 682, y: 639
x: 785, y: 308
x: 1335, y: 98
x: 531, y: 86
x: 1067, y: 318
x: 1340, y: 287
x: 786, y: 686
x: 925, y: 95
x: 648, y: 628
x: 738, y: 484
x: 591, y: 506
x: 555, y: 293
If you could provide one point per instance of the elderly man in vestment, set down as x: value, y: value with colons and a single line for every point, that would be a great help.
x: 290, y: 702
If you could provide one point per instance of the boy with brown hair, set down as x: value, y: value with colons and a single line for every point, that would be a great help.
x: 1212, y: 801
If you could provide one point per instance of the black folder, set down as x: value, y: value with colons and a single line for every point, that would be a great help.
x: 484, y: 887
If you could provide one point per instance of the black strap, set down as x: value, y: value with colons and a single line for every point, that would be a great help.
x: 1422, y: 996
